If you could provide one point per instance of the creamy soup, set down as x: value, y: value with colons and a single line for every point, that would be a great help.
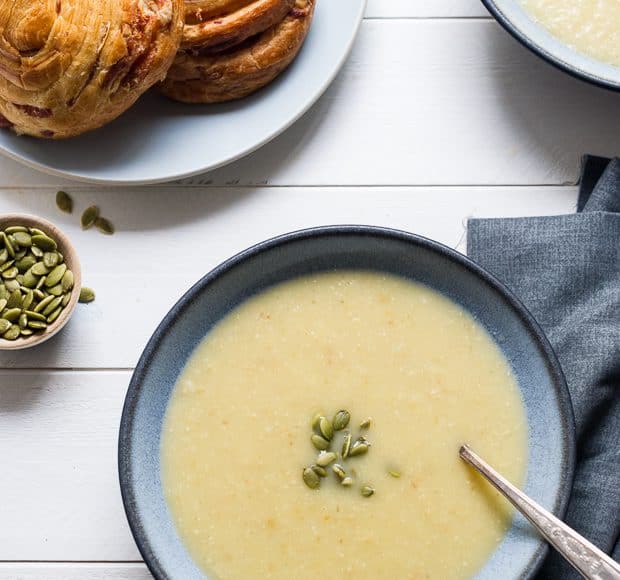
x: 237, y: 435
x: 589, y: 26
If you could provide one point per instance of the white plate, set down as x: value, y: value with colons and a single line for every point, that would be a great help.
x: 159, y: 140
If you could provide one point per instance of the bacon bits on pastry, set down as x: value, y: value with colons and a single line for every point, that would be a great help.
x: 215, y: 76
x: 220, y: 24
x: 69, y: 66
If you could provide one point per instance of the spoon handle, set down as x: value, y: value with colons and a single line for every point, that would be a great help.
x: 591, y: 562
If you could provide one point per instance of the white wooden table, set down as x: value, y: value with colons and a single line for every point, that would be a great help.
x: 438, y: 116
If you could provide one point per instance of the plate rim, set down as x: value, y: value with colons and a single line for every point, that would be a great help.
x: 125, y: 440
x: 311, y: 101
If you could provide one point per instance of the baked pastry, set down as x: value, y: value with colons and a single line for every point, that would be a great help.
x: 215, y: 76
x: 219, y: 24
x: 69, y: 66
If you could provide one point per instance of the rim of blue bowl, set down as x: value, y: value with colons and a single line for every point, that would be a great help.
x: 125, y: 441
x: 509, y: 26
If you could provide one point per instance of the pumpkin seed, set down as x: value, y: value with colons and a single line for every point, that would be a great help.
x: 11, y: 285
x: 30, y: 280
x: 26, y: 332
x: 341, y: 420
x: 55, y: 276
x: 43, y: 304
x: 14, y: 229
x: 315, y: 421
x: 23, y: 320
x: 358, y: 448
x: 86, y: 295
x: 4, y: 293
x: 3, y: 302
x: 10, y: 273
x: 339, y: 470
x: 104, y: 226
x: 394, y: 473
x: 28, y: 300
x: 346, y: 445
x: 25, y: 263
x: 311, y: 478
x: 37, y: 252
x: 38, y: 294
x: 40, y: 283
x: 8, y: 245
x: 54, y: 315
x: 89, y: 216
x: 7, y: 265
x: 4, y: 325
x: 56, y: 290
x: 4, y: 255
x: 15, y: 299
x: 35, y: 315
x: 326, y: 428
x: 319, y: 442
x: 55, y: 303
x: 320, y: 471
x: 367, y: 490
x: 23, y: 239
x: 347, y: 481
x: 37, y: 325
x: 12, y: 333
x: 366, y: 423
x: 67, y: 281
x: 51, y: 259
x: 19, y: 255
x: 12, y: 314
x: 325, y: 458
x: 37, y: 232
x: 66, y: 299
x: 20, y: 279
x: 64, y: 202
x: 40, y: 269
x: 44, y: 242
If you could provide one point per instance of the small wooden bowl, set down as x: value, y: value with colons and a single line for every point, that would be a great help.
x: 73, y: 263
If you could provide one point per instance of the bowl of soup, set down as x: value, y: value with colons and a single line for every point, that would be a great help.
x: 299, y: 412
x: 579, y: 37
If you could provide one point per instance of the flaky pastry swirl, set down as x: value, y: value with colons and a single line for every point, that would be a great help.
x: 211, y: 77
x: 69, y: 66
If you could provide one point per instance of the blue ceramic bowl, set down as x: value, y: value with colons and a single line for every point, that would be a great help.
x: 549, y: 411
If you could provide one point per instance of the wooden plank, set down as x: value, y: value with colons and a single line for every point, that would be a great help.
x: 59, y: 484
x: 442, y: 102
x: 425, y: 9
x: 167, y: 238
x: 74, y: 571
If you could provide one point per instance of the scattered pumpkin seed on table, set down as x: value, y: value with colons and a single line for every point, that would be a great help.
x: 64, y: 202
x: 35, y: 283
x: 89, y: 216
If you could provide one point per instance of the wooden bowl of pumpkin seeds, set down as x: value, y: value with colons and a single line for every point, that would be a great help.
x: 40, y: 280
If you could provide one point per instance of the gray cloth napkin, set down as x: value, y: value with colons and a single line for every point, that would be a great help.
x: 566, y: 270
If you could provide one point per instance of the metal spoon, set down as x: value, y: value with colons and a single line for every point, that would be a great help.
x: 589, y: 561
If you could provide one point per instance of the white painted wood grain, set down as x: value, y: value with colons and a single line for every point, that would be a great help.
x: 74, y: 571
x: 59, y: 484
x: 167, y: 238
x: 442, y: 102
x: 425, y: 9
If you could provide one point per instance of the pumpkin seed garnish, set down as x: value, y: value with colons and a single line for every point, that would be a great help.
x: 12, y: 314
x: 394, y: 473
x: 23, y: 320
x: 341, y: 420
x: 366, y: 423
x: 13, y: 229
x: 51, y: 259
x: 315, y: 421
x: 339, y: 470
x: 358, y: 448
x: 67, y: 281
x: 347, y: 481
x: 37, y: 325
x: 55, y: 276
x: 104, y: 226
x: 311, y: 478
x: 44, y: 242
x: 346, y: 445
x: 320, y: 471
x: 325, y: 458
x: 23, y: 239
x: 64, y: 202
x: 367, y: 490
x: 54, y: 315
x: 319, y: 442
x: 326, y: 428
x: 89, y: 216
x: 86, y: 295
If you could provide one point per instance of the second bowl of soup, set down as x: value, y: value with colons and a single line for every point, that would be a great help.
x: 300, y: 412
